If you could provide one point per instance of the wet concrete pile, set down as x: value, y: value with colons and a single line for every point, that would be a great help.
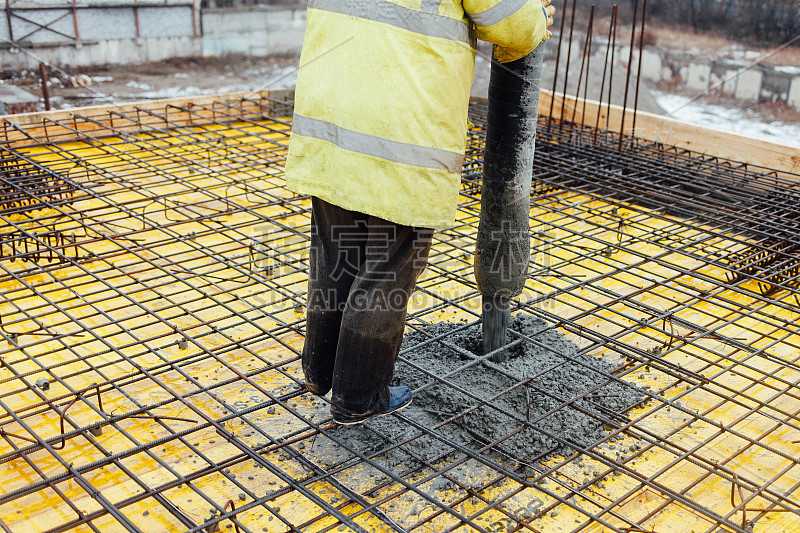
x: 560, y: 396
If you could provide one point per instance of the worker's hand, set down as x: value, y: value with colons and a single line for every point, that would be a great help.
x: 550, y: 11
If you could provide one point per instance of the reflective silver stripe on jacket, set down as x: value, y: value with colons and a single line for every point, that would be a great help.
x: 362, y: 143
x: 497, y: 13
x: 428, y: 24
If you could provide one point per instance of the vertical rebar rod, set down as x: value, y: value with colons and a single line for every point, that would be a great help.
x: 569, y: 57
x: 639, y: 70
x: 611, y: 66
x: 75, y: 20
x: 605, y: 71
x: 45, y: 91
x: 558, y: 60
x: 628, y: 73
x: 585, y: 60
x: 195, y: 10
x: 11, y: 26
x: 588, y: 66
x: 136, y: 21
x: 580, y: 77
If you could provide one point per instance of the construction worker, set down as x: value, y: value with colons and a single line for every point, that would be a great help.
x: 378, y: 140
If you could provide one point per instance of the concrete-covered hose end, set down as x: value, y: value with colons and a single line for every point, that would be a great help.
x: 502, y: 250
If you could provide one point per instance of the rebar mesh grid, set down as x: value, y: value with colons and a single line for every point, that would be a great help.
x: 150, y: 368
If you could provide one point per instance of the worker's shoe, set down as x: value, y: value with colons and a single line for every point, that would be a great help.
x: 399, y: 398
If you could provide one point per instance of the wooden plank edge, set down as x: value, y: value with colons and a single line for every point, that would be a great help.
x: 667, y: 130
x: 92, y: 111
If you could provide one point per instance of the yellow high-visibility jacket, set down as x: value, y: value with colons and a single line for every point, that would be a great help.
x: 380, y: 119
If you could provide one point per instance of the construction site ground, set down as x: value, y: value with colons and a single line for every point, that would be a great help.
x: 177, y: 77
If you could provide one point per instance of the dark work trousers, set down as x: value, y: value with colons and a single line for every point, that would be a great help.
x: 363, y: 270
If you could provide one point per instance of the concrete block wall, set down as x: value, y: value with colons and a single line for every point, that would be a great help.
x: 20, y: 28
x: 101, y: 52
x: 116, y: 31
x: 254, y: 30
x: 699, y: 74
x: 121, y: 32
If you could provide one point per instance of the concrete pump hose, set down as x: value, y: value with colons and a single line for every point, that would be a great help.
x: 503, y: 244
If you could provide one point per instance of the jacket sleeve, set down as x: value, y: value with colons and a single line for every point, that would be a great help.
x: 515, y: 26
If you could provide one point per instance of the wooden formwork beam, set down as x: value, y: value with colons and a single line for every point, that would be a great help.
x: 670, y: 131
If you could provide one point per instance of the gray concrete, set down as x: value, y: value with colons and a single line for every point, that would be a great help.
x: 166, y: 21
x: 15, y: 100
x: 698, y: 77
x: 794, y: 93
x: 748, y: 86
x: 112, y: 24
x: 652, y: 66
x: 257, y: 30
x: 560, y: 369
x: 100, y: 52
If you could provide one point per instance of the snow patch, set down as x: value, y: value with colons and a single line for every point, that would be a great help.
x: 746, y: 54
x: 276, y: 78
x: 176, y: 92
x: 795, y: 71
x: 139, y: 85
x: 97, y: 96
x: 727, y: 119
x: 254, y: 72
